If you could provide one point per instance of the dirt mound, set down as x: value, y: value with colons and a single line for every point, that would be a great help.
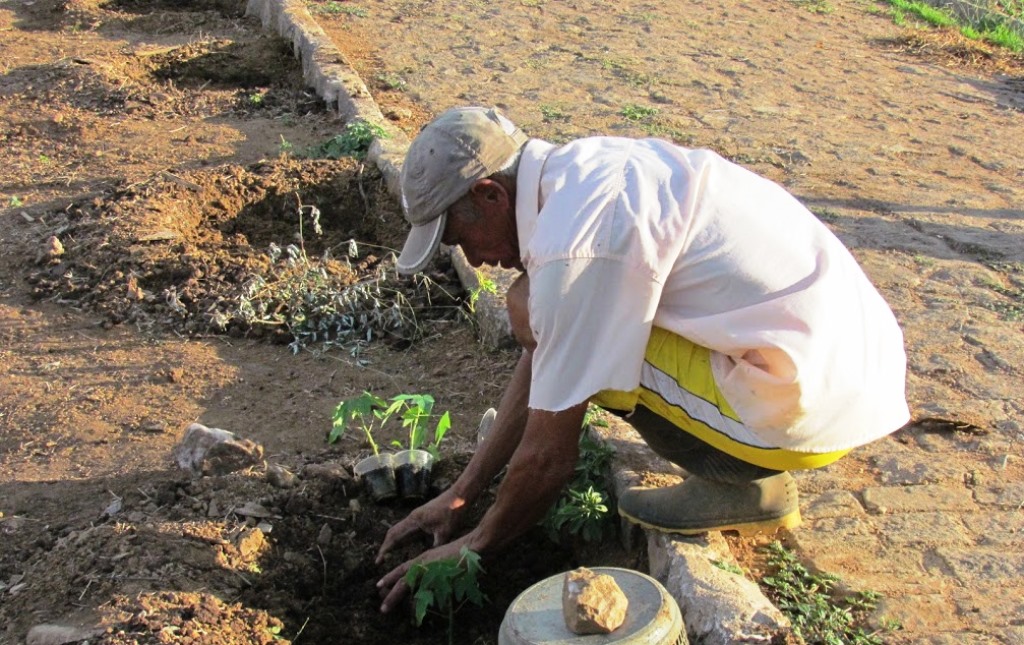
x: 240, y: 249
x: 227, y: 559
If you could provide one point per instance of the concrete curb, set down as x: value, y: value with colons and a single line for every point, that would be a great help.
x: 718, y: 607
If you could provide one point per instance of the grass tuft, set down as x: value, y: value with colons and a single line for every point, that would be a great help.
x: 820, y: 615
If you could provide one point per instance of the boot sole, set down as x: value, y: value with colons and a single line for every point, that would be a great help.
x: 746, y: 529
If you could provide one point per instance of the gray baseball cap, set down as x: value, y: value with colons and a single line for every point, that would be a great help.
x: 450, y: 154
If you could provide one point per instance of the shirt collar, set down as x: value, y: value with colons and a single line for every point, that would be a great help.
x: 528, y: 197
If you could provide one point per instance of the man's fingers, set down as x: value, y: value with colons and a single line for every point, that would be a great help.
x: 394, y: 585
x: 395, y: 536
x: 395, y: 596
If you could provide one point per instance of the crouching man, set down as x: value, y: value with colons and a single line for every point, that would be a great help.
x: 701, y: 302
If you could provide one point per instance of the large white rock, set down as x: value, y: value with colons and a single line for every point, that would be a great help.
x: 213, y: 451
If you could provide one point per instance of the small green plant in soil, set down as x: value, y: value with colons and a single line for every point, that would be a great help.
x: 15, y: 201
x: 354, y: 141
x: 483, y: 285
x: 817, y: 612
x: 445, y: 586
x: 391, y: 81
x: 633, y: 112
x: 415, y: 412
x: 371, y: 413
x: 338, y: 8
x: 553, y: 113
x: 582, y: 509
x: 361, y: 410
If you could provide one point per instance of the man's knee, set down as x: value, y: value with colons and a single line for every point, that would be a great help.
x: 518, y: 302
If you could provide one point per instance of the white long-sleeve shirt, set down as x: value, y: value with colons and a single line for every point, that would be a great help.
x: 619, y: 235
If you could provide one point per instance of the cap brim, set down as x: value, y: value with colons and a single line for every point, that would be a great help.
x: 421, y: 245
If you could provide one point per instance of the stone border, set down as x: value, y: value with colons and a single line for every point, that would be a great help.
x: 718, y: 607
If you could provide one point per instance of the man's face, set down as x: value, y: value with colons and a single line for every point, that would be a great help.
x: 487, y: 235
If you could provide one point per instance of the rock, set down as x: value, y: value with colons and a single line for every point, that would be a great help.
x: 333, y: 473
x: 250, y: 542
x: 212, y: 451
x: 53, y: 248
x: 59, y: 634
x: 324, y: 538
x: 592, y: 603
x: 280, y: 477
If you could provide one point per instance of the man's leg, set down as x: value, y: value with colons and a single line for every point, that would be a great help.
x: 722, y: 493
x: 691, y: 454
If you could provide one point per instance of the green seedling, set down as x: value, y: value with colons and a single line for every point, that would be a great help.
x: 338, y: 8
x: 361, y: 410
x: 553, y: 113
x: 582, y: 509
x: 484, y: 285
x: 15, y: 201
x: 354, y: 141
x: 728, y: 566
x: 445, y: 586
x: 391, y: 81
x: 285, y: 146
x: 633, y: 112
x: 818, y: 613
x: 582, y: 513
x: 415, y: 412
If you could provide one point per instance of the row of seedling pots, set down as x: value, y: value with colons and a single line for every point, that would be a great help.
x: 406, y: 473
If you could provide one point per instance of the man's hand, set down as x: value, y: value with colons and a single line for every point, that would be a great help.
x: 393, y: 588
x: 438, y: 518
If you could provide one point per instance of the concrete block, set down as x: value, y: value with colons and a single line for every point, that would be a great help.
x: 718, y: 607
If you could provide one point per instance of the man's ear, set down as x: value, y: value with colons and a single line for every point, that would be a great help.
x: 487, y: 193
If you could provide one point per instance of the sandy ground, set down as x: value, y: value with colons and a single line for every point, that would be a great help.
x: 157, y: 141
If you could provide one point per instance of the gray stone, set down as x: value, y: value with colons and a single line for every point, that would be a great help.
x: 60, y: 634
x: 333, y: 473
x: 213, y: 451
x: 898, y: 499
x: 592, y: 603
x: 280, y: 477
x: 718, y: 607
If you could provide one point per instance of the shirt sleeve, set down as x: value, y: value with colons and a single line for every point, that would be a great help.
x: 592, y: 319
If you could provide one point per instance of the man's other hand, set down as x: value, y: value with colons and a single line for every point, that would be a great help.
x: 438, y: 518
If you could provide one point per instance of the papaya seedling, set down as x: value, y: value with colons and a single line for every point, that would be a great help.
x: 363, y: 410
x: 415, y: 411
x: 445, y: 586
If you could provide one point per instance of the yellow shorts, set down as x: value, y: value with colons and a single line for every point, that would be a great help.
x: 678, y: 386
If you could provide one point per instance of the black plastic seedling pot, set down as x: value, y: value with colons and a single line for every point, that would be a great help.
x: 377, y: 474
x: 413, y: 473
